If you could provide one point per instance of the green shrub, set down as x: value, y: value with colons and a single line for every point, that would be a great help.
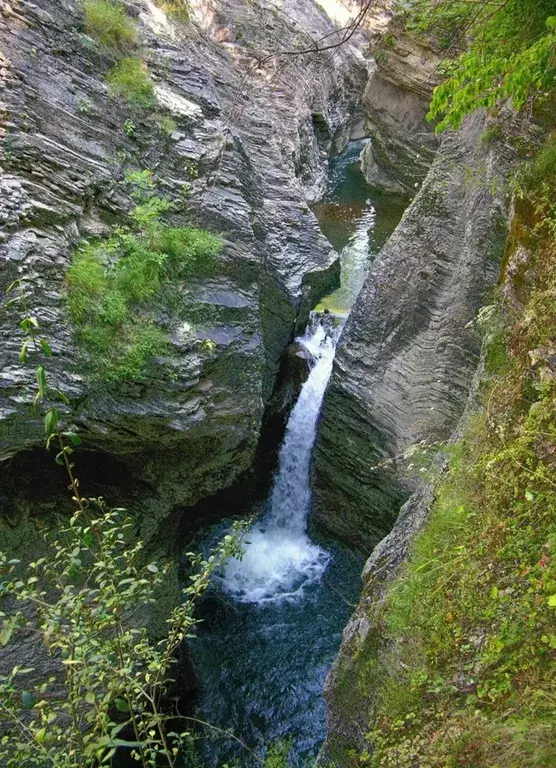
x: 124, y: 352
x: 130, y: 80
x: 86, y: 282
x: 112, y: 284
x: 166, y: 124
x: 140, y: 271
x: 108, y: 23
x: 110, y: 691
x: 536, y: 183
x: 509, y: 56
x: 140, y: 184
x: 178, y: 8
x: 543, y: 169
x: 191, y: 251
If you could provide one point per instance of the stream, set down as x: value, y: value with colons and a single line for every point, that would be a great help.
x: 272, y: 623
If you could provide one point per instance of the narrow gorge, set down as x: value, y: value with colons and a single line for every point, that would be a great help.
x: 277, y: 378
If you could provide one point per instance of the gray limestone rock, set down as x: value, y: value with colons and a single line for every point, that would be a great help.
x: 396, y: 101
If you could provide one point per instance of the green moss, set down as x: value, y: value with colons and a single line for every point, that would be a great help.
x: 492, y: 134
x: 107, y: 22
x: 130, y: 80
x: 115, y: 285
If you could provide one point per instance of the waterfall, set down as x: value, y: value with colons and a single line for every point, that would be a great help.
x: 280, y: 560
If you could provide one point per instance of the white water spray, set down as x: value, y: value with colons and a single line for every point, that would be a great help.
x: 280, y: 559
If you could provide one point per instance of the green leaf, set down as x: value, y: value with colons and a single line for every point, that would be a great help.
x: 73, y: 436
x: 46, y: 348
x: 152, y: 568
x: 23, y: 354
x: 51, y: 421
x: 124, y: 743
x: 122, y: 705
x: 5, y: 634
x: 29, y: 324
x: 28, y: 700
x: 551, y: 22
x: 552, y: 601
x: 41, y: 380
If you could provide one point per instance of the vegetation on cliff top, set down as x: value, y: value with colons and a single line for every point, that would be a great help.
x: 509, y: 53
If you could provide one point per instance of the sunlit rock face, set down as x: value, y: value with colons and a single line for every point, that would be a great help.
x: 247, y: 150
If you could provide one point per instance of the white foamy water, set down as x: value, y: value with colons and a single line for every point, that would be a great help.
x: 280, y: 559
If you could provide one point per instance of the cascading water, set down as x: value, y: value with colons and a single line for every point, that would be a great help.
x: 273, y: 623
x: 280, y: 559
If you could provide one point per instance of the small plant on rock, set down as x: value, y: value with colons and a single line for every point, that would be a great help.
x: 130, y: 80
x: 114, y: 284
x: 107, y: 22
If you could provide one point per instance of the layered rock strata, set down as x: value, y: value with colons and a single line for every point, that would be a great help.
x: 415, y: 368
x: 409, y: 350
x: 247, y: 148
x: 396, y: 101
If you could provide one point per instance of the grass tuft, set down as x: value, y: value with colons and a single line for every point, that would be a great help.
x: 130, y: 80
x: 107, y: 22
x: 115, y: 284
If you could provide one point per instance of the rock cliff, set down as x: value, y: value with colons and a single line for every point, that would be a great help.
x: 247, y: 147
x: 396, y: 101
x: 406, y: 369
x: 407, y: 355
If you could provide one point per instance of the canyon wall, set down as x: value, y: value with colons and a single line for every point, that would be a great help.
x: 407, y: 354
x: 405, y: 370
x: 396, y: 100
x: 246, y: 150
